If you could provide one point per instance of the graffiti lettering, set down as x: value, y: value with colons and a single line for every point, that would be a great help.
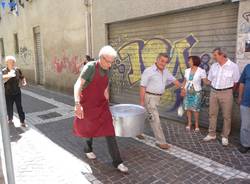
x: 246, y: 16
x: 137, y: 55
x: 245, y: 26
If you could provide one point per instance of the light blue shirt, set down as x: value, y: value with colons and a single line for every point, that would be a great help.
x: 155, y: 81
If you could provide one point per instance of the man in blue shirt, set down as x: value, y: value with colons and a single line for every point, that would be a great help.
x: 244, y: 101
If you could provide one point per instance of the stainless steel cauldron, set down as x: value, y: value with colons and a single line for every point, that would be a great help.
x: 128, y: 119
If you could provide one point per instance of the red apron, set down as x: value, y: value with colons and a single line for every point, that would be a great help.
x: 97, y: 120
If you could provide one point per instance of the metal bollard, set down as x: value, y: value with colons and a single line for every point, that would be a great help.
x: 5, y: 135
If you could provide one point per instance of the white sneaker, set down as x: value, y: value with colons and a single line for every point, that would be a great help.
x: 122, y: 168
x: 91, y: 156
x: 225, y: 141
x: 209, y: 138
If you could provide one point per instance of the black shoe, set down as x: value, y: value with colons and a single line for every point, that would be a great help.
x: 243, y: 149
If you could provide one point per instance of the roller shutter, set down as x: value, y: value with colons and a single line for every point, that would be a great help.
x: 191, y: 32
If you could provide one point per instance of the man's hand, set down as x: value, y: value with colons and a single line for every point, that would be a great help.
x: 183, y: 92
x: 79, y: 113
x: 24, y: 82
x: 142, y: 103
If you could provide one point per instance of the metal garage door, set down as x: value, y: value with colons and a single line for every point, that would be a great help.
x: 192, y: 32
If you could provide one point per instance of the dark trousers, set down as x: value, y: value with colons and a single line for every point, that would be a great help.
x: 10, y: 99
x: 112, y: 147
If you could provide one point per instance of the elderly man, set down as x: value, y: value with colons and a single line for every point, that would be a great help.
x: 92, y: 115
x: 223, y: 75
x: 12, y: 77
x: 153, y: 82
x: 244, y: 101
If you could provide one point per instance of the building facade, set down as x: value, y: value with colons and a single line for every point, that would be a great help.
x: 140, y: 29
x: 51, y: 38
x: 48, y: 39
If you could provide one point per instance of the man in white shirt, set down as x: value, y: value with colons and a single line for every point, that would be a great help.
x: 223, y: 76
x: 153, y: 82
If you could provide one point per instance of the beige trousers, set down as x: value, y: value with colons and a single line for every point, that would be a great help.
x: 223, y: 100
x: 151, y: 103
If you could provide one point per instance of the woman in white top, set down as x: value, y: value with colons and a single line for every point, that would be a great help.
x: 192, y: 89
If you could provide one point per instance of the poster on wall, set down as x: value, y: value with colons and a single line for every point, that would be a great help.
x: 11, y: 7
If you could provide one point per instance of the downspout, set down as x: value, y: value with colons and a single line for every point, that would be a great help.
x: 88, y: 26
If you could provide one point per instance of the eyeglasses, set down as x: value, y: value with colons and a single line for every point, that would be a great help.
x: 110, y: 62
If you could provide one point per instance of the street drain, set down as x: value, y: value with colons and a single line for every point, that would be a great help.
x: 49, y: 115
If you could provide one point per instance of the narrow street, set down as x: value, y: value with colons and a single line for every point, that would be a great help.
x: 48, y: 153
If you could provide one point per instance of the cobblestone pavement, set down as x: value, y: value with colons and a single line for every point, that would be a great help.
x: 47, y: 152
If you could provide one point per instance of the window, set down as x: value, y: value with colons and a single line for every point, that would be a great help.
x: 16, y: 44
x: 2, y: 48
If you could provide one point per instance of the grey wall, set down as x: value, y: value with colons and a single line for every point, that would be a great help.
x: 62, y: 26
x: 108, y: 11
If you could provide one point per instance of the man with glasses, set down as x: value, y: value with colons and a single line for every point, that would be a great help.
x: 92, y: 114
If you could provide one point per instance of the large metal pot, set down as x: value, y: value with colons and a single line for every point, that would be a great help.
x: 128, y: 119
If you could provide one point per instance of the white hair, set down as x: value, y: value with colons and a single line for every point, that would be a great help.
x: 7, y: 58
x: 107, y: 51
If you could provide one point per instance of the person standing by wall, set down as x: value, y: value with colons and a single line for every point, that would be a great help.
x: 223, y: 76
x: 92, y: 114
x: 194, y: 76
x: 153, y: 83
x: 12, y: 77
x: 244, y: 101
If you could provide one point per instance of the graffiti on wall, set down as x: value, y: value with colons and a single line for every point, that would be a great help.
x: 137, y: 55
x: 243, y: 36
x: 25, y: 55
x: 71, y: 64
x: 245, y: 25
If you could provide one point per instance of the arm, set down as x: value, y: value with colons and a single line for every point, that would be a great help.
x: 206, y: 81
x: 77, y: 91
x: 145, y: 78
x: 22, y: 78
x: 142, y: 95
x: 183, y: 90
x: 177, y: 84
x: 241, y: 86
x: 241, y: 91
x: 106, y: 93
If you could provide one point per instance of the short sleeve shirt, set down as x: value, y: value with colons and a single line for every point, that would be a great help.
x: 245, y: 79
x: 225, y: 76
x: 12, y: 85
x: 88, y: 72
x: 155, y: 81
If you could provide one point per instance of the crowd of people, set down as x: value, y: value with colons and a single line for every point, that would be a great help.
x: 91, y: 93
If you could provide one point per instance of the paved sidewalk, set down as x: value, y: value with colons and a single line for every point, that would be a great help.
x: 47, y: 152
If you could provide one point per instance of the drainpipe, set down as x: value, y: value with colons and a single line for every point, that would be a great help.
x: 88, y: 26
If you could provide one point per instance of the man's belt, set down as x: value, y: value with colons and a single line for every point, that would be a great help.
x: 221, y: 89
x: 153, y: 94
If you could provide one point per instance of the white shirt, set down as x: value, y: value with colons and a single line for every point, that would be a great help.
x: 224, y: 76
x: 155, y: 81
x: 198, y: 76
